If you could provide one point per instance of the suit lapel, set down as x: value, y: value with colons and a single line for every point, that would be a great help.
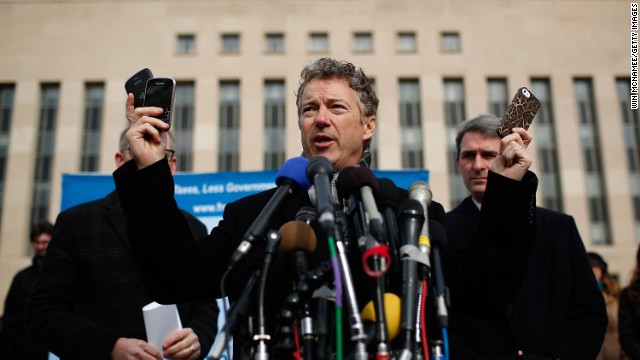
x: 295, y: 203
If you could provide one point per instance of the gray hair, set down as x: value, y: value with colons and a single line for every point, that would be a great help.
x: 485, y: 124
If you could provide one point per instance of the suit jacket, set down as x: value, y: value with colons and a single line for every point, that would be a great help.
x: 148, y: 194
x: 90, y: 292
x: 15, y: 342
x: 554, y: 309
x: 629, y: 325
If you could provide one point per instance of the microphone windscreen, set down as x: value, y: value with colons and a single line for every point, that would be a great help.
x: 421, y: 191
x: 294, y: 169
x: 362, y: 176
x: 342, y: 184
x: 437, y: 235
x: 392, y: 311
x: 388, y: 194
x: 319, y: 165
x: 297, y: 235
x: 410, y: 207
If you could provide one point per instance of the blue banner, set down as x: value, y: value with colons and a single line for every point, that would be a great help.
x: 205, y: 194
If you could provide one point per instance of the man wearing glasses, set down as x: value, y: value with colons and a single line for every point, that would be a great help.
x: 87, y: 302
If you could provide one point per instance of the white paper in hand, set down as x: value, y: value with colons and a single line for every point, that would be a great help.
x: 159, y: 322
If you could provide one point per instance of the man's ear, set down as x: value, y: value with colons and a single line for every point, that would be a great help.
x: 119, y: 159
x: 370, y: 127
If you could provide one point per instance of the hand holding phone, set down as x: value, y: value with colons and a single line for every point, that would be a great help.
x: 160, y: 92
x: 136, y: 85
x: 520, y: 113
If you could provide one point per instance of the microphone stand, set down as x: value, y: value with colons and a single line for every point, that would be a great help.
x: 273, y: 239
x: 366, y: 237
x: 357, y: 328
x: 237, y: 312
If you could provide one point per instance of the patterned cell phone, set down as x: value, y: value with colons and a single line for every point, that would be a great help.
x: 520, y: 112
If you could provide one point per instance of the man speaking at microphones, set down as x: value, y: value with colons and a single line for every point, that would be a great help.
x: 337, y: 119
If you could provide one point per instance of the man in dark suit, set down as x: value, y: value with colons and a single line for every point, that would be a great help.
x: 337, y: 119
x: 552, y: 307
x: 15, y: 342
x: 88, y: 299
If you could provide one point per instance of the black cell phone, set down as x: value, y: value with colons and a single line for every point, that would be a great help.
x: 136, y: 85
x: 161, y: 92
x: 520, y: 113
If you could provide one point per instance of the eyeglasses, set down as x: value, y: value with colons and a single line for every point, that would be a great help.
x: 168, y: 153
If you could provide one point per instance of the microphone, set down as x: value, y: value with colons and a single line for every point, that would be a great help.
x: 362, y: 181
x: 388, y: 201
x: 290, y: 178
x: 261, y: 338
x: 298, y: 239
x: 421, y: 192
x: 391, y: 313
x: 392, y: 306
x: 306, y: 214
x: 411, y: 219
x: 352, y: 207
x: 319, y: 170
x: 439, y: 242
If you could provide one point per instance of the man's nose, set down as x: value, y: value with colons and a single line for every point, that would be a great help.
x: 479, y: 163
x: 322, y: 117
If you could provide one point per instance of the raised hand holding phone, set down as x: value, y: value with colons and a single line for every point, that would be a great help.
x: 146, y: 134
x: 520, y: 112
x: 513, y: 160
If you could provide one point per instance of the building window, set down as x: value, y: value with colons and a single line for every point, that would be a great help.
x: 497, y: 96
x: 274, y: 43
x: 45, y: 141
x: 93, y: 112
x: 600, y: 232
x: 454, y: 104
x: 318, y: 42
x: 362, y: 42
x: 229, y: 135
x: 410, y: 124
x: 631, y: 138
x: 7, y: 93
x: 547, y: 151
x: 407, y: 42
x: 274, y: 124
x: 450, y: 42
x: 183, y: 125
x: 230, y: 43
x: 454, y: 114
x: 186, y: 44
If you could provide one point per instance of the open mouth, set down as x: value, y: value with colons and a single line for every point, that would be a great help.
x: 321, y: 139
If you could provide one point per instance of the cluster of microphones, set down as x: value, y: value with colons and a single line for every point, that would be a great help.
x: 394, y: 239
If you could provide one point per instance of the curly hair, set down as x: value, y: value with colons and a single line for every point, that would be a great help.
x: 326, y: 68
x: 634, y: 284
